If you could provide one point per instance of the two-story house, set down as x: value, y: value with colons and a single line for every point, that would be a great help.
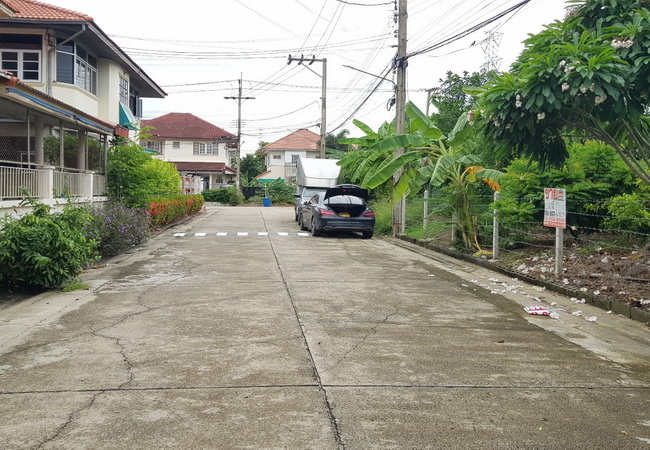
x: 282, y: 155
x: 61, y: 75
x: 195, y: 146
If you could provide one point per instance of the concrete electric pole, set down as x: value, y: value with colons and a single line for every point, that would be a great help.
x: 400, y: 63
x: 239, y: 98
x: 323, y: 110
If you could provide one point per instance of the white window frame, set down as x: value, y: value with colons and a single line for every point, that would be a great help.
x: 176, y: 144
x: 294, y: 159
x: 20, y: 72
x: 124, y: 91
x: 203, y: 148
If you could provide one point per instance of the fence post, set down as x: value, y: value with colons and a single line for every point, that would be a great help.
x: 559, y: 251
x: 495, y: 229
x: 46, y: 186
x: 425, y: 217
x: 453, y: 227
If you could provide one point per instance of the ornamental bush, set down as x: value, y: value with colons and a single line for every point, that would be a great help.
x: 117, y: 227
x: 228, y: 196
x: 165, y: 210
x: 41, y: 250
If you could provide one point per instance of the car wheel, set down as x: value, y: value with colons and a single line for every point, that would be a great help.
x: 295, y: 213
x: 301, y: 224
x: 367, y: 234
x: 314, y: 230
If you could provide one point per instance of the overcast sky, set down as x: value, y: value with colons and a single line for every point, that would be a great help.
x: 196, y: 50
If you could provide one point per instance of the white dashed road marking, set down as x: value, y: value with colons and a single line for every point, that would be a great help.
x: 241, y: 233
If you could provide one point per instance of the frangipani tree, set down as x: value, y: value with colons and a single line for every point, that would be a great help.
x: 588, y: 75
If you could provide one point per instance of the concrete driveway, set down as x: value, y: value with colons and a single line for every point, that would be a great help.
x: 235, y: 330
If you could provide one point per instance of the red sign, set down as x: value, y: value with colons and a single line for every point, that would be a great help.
x: 555, y: 208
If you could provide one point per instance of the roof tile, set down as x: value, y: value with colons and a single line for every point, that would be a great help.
x: 31, y: 9
x: 202, y: 166
x: 298, y: 140
x: 185, y: 125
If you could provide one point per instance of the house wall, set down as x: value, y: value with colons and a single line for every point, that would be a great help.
x: 83, y: 100
x: 186, y: 152
x: 279, y: 163
x: 108, y: 89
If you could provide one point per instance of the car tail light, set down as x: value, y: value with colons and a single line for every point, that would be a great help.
x: 368, y: 213
x: 326, y: 212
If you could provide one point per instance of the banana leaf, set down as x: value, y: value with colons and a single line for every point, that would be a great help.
x: 389, y: 168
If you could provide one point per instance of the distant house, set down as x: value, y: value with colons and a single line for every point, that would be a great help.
x: 194, y: 145
x: 60, y: 74
x: 282, y: 155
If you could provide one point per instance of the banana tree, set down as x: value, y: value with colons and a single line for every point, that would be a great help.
x: 429, y: 158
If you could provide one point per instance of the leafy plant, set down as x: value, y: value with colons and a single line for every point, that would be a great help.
x: 584, y: 76
x: 629, y: 212
x: 228, y: 196
x: 279, y: 192
x: 41, y: 250
x: 166, y: 210
x: 117, y: 227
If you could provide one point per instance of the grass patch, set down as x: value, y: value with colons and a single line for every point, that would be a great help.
x: 75, y: 285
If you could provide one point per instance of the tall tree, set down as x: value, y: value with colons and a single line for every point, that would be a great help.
x: 451, y: 100
x: 252, y: 165
x: 588, y: 75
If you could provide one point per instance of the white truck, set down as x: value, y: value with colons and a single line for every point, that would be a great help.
x: 313, y: 176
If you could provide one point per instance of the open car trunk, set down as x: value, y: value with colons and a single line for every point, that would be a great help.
x: 346, y: 206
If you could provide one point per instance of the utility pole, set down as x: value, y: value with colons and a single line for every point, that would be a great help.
x: 323, y: 108
x: 239, y: 98
x: 399, y: 64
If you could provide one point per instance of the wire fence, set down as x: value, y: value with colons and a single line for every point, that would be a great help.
x: 602, y: 255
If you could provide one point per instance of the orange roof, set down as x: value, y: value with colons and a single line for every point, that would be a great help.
x: 31, y: 9
x: 185, y: 125
x: 203, y: 167
x: 298, y: 140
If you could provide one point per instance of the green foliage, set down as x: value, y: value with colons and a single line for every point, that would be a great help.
x: 450, y: 99
x: 252, y: 165
x: 133, y: 176
x: 74, y: 285
x: 586, y: 75
x: 228, y: 196
x: 52, y: 151
x: 383, y: 217
x: 160, y: 178
x: 333, y: 141
x: 279, y: 192
x: 41, y: 250
x: 629, y: 212
x: 166, y: 210
x: 126, y: 179
x: 117, y: 227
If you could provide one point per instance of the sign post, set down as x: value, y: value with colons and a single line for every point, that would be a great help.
x: 555, y: 216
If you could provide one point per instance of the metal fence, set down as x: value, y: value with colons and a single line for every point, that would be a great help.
x: 602, y: 255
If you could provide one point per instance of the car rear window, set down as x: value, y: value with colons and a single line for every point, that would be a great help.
x: 344, y: 199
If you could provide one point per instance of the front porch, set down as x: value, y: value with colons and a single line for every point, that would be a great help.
x: 49, y: 151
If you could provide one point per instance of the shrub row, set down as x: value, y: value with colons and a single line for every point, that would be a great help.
x: 117, y: 227
x: 163, y: 211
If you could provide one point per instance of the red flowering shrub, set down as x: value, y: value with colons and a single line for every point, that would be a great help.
x: 163, y: 211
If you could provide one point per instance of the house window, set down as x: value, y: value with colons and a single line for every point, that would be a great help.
x: 20, y: 54
x: 124, y: 92
x: 75, y: 65
x: 176, y: 145
x: 24, y: 64
x: 294, y: 159
x: 277, y: 156
x: 135, y: 103
x: 203, y: 148
x: 219, y: 179
x: 155, y: 146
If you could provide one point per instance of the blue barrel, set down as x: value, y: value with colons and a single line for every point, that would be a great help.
x: 266, y: 201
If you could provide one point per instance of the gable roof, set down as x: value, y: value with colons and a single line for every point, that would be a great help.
x: 30, y: 14
x: 31, y: 9
x: 302, y: 139
x: 185, y: 126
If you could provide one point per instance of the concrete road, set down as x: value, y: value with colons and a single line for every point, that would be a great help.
x: 233, y: 330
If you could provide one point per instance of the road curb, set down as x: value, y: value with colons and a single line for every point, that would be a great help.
x: 607, y: 304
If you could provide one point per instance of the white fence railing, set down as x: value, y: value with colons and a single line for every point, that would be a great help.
x: 13, y: 180
x: 47, y: 182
